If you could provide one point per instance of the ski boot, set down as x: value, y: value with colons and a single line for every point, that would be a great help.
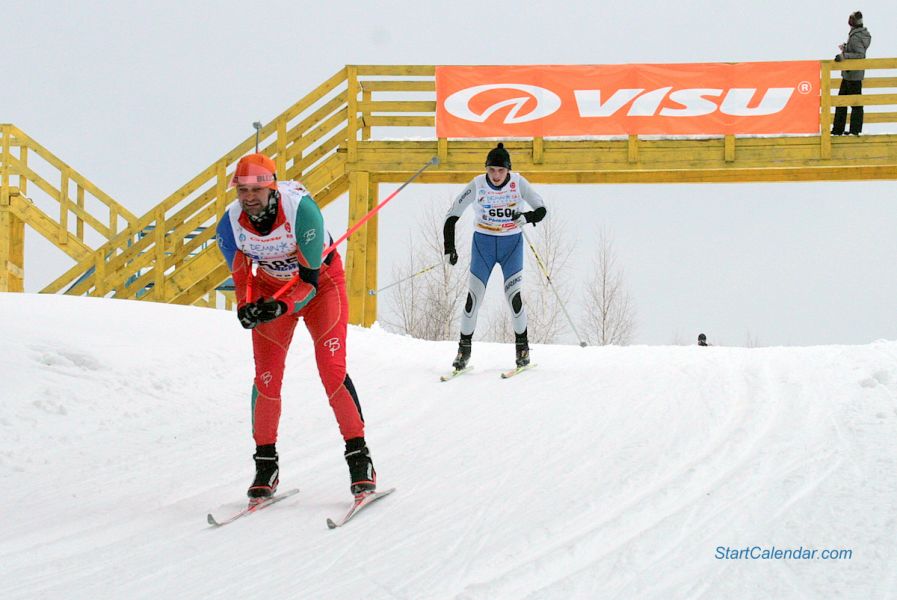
x: 464, y: 347
x: 266, y: 473
x: 521, y: 345
x: 361, y: 467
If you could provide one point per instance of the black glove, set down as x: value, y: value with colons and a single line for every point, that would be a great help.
x: 248, y: 314
x: 451, y: 257
x: 261, y: 311
x: 839, y: 58
x: 268, y: 310
x: 527, y: 216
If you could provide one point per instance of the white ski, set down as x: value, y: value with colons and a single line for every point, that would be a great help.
x: 455, y: 373
x: 517, y: 371
x: 254, y: 506
x: 361, y: 501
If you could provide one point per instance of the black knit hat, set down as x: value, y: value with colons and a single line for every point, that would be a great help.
x: 498, y: 157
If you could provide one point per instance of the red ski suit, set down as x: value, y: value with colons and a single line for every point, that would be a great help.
x: 325, y: 315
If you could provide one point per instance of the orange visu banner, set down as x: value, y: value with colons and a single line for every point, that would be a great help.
x: 587, y: 100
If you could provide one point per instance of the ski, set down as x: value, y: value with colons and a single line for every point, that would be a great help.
x: 254, y: 506
x: 517, y: 371
x: 455, y: 373
x: 361, y: 501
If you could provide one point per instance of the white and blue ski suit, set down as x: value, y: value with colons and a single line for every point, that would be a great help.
x: 496, y: 240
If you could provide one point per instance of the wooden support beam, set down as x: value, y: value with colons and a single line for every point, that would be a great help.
x: 370, y: 281
x: 159, y: 252
x: 356, y: 253
x: 12, y: 250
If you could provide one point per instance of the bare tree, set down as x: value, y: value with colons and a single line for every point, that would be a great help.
x: 426, y: 306
x: 545, y: 320
x: 609, y: 311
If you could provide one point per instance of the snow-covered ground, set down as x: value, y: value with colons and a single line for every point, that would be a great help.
x: 603, y: 473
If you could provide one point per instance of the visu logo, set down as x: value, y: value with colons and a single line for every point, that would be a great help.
x: 694, y: 102
x: 546, y: 103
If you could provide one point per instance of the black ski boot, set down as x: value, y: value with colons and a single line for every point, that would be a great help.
x: 463, y: 356
x: 266, y: 472
x: 361, y: 467
x: 521, y: 345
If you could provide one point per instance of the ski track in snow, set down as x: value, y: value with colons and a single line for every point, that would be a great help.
x: 605, y: 473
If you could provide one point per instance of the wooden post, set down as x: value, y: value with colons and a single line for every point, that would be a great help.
x: 63, y: 207
x: 366, y: 98
x: 729, y: 148
x: 825, y: 117
x: 370, y: 281
x: 220, y: 188
x: 632, y: 149
x: 15, y: 264
x: 159, y: 262
x: 442, y: 149
x: 356, y: 253
x: 99, y: 274
x: 352, y: 101
x: 5, y: 133
x: 12, y: 248
x: 23, y: 181
x: 538, y: 149
x: 280, y: 145
x: 79, y: 222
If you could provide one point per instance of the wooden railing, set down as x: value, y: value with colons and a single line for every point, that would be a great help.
x: 54, y: 198
x: 176, y: 237
x: 872, y: 83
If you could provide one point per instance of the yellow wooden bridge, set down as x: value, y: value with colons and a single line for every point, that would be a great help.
x: 327, y: 140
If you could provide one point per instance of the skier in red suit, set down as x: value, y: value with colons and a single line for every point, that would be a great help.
x: 273, y: 238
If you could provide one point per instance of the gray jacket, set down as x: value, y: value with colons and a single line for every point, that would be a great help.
x: 857, y: 43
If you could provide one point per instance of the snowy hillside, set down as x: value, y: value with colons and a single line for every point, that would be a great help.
x: 603, y: 473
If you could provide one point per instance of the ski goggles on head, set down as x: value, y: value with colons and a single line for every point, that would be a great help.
x: 261, y: 180
x: 248, y: 174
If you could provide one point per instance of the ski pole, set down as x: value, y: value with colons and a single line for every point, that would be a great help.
x: 551, y: 285
x: 357, y: 226
x: 364, y: 219
x: 394, y: 283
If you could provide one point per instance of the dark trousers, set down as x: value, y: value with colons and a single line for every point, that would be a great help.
x: 848, y: 88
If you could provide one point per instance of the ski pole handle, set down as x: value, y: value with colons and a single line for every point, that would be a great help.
x: 253, y: 269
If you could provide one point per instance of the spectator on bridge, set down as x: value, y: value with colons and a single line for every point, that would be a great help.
x: 273, y: 238
x: 857, y: 43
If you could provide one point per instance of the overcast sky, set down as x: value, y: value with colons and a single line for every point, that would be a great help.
x: 141, y: 96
